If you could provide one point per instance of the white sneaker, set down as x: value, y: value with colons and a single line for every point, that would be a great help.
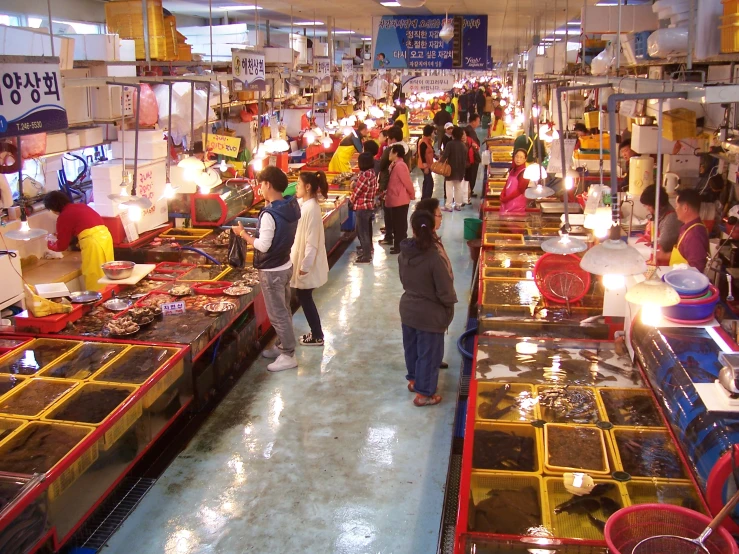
x: 283, y: 362
x: 271, y: 353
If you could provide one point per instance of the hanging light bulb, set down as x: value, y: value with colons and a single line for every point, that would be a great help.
x: 134, y: 212
x: 223, y: 167
x: 309, y: 137
x: 535, y: 173
x: 652, y: 295
x: 651, y: 314
x: 191, y: 166
x: 327, y: 142
x: 207, y: 180
x: 614, y: 281
x: 169, y: 191
x: 25, y: 232
x: 564, y: 245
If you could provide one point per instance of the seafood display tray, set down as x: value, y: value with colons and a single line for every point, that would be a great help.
x: 85, y: 397
x: 576, y: 446
x: 516, y: 404
x: 30, y: 400
x: 504, y: 435
x: 647, y: 408
x: 74, y: 361
x: 35, y: 356
x: 563, y: 411
x: 658, y: 456
x: 663, y: 491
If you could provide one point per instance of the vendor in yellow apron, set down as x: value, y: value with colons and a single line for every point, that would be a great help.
x: 340, y: 161
x: 455, y: 115
x: 81, y: 221
x: 676, y: 257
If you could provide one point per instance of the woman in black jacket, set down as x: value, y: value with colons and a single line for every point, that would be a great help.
x: 455, y: 154
x: 427, y: 305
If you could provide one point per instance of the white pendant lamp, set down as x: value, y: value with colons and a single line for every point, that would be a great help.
x: 24, y: 232
x: 613, y: 257
x: 564, y: 244
x: 536, y: 174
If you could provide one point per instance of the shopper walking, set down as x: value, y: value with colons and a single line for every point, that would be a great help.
x: 394, y: 136
x: 474, y: 158
x: 363, y: 201
x: 425, y: 157
x: 278, y: 223
x: 441, y: 118
x: 427, y: 305
x: 308, y: 254
x: 455, y: 154
x: 463, y: 106
x: 400, y: 192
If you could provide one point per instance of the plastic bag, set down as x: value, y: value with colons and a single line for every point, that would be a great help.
x: 181, y: 108
x: 149, y: 107
x: 236, y: 250
x: 486, y: 157
x: 41, y: 307
x: 33, y: 146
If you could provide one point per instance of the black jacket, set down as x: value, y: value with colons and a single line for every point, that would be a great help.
x: 480, y: 101
x: 428, y: 301
x: 442, y: 118
x: 455, y: 153
x: 286, y: 213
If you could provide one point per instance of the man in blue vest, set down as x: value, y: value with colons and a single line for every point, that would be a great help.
x: 278, y: 222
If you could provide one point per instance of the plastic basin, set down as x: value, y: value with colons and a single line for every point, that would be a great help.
x: 687, y: 281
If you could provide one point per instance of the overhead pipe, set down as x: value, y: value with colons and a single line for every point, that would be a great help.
x: 612, y: 101
x: 136, y: 128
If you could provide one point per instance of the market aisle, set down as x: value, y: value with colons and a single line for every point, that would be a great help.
x: 332, y: 457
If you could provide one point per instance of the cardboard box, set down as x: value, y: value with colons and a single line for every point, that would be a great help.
x: 56, y: 142
x: 73, y: 141
x: 90, y: 136
x: 77, y: 99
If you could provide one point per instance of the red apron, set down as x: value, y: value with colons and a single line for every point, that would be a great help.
x: 518, y: 204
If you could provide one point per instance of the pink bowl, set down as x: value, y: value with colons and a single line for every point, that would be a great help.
x: 712, y: 297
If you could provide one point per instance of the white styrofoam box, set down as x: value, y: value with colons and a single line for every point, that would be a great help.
x: 707, y: 37
x: 73, y: 141
x: 543, y: 66
x: 147, y: 151
x: 106, y: 208
x: 77, y: 99
x: 11, y: 282
x: 56, y: 142
x: 52, y: 165
x: 719, y: 74
x: 733, y: 168
x: 684, y: 166
x: 90, y: 136
x: 106, y: 176
x: 644, y: 140
x: 155, y: 216
x: 106, y: 102
x: 604, y: 19
x: 22, y: 41
x: 320, y: 49
x: 96, y: 47
x: 113, y: 71
x: 127, y: 50
x: 146, y: 136
x: 278, y: 55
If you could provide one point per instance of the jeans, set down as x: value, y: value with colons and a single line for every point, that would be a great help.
x: 455, y: 193
x: 427, y: 190
x: 439, y: 136
x: 462, y: 116
x: 305, y: 297
x: 399, y: 216
x: 388, y: 217
x: 364, y: 231
x: 471, y: 176
x: 423, y: 356
x: 276, y: 291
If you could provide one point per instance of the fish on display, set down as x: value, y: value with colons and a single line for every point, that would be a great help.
x: 600, y: 525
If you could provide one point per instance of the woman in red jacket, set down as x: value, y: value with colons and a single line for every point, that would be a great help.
x: 399, y: 194
x: 512, y: 199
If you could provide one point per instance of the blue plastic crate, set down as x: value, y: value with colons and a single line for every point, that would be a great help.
x: 640, y: 45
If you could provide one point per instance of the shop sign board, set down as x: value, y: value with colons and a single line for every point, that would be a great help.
x: 248, y: 69
x: 322, y: 67
x: 413, y: 42
x: 347, y: 67
x: 31, y: 99
x: 430, y: 84
x: 173, y: 308
x: 224, y: 145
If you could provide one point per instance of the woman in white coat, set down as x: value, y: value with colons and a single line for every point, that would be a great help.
x: 308, y: 253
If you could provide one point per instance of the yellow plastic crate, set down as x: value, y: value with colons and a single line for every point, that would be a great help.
x: 525, y: 430
x: 125, y: 18
x: 170, y: 36
x: 527, y: 411
x: 603, y: 469
x: 621, y: 434
x: 67, y: 367
x: 81, y: 394
x: 8, y: 427
x: 578, y: 526
x: 187, y: 233
x: 8, y: 383
x: 680, y: 123
x: 497, y: 239
x: 25, y: 356
x: 50, y: 390
x: 592, y: 142
x: 483, y: 483
x: 625, y: 393
x: 592, y: 119
x: 166, y: 381
x: 506, y: 272
x: 110, y: 373
x: 663, y: 491
x: 495, y: 291
x: 546, y: 416
x: 186, y: 278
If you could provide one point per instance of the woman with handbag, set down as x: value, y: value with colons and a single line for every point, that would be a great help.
x: 399, y: 194
x: 455, y: 154
x: 512, y: 199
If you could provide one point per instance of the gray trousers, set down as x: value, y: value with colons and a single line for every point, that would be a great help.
x: 276, y: 291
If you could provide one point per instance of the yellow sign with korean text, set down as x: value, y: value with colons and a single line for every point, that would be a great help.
x: 223, y: 145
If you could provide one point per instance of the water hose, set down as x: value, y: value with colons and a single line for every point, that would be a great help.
x: 198, y: 251
x: 462, y: 338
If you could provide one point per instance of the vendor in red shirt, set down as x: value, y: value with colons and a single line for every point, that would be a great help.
x: 81, y: 221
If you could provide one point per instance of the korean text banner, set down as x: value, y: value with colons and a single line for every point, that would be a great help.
x: 412, y: 42
x: 30, y: 99
x: 248, y: 70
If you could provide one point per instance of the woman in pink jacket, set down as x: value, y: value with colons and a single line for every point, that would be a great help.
x: 400, y: 192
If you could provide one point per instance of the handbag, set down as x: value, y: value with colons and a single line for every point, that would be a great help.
x: 441, y: 168
x: 476, y: 159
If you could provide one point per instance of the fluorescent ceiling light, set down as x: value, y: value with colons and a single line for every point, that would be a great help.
x: 308, y: 23
x: 239, y: 8
x: 343, y: 32
x: 390, y: 4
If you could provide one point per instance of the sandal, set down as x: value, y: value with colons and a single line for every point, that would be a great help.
x: 308, y: 340
x: 421, y: 400
x: 411, y: 386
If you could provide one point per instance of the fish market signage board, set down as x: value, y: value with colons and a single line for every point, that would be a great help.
x: 413, y: 42
x: 223, y: 145
x: 173, y: 308
x: 347, y: 67
x: 31, y: 99
x: 322, y: 68
x: 248, y: 70
x: 428, y: 84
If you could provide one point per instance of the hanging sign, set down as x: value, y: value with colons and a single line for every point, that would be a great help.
x: 429, y: 84
x: 347, y: 67
x: 248, y: 70
x: 413, y: 42
x: 223, y: 145
x: 322, y: 67
x: 31, y: 99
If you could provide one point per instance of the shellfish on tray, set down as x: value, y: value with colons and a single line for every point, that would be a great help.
x: 219, y: 307
x: 123, y: 326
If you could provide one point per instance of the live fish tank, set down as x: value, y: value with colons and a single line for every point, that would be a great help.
x: 554, y: 362
x: 222, y: 203
x: 83, y: 362
x: 35, y: 356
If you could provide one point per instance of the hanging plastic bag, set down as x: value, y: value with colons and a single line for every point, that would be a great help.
x: 33, y: 146
x: 41, y: 307
x: 486, y: 158
x: 149, y: 106
x: 236, y: 250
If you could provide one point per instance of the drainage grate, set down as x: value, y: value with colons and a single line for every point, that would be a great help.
x: 112, y: 513
x: 451, y: 501
x: 464, y: 386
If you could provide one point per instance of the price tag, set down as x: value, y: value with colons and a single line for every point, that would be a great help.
x: 173, y: 308
x: 223, y: 145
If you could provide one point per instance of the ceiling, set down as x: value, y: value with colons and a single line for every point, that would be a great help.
x: 511, y: 23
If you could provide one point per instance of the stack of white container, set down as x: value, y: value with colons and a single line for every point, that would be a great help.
x: 673, y: 40
x: 150, y: 179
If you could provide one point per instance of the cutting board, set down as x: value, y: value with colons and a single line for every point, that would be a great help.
x: 139, y: 272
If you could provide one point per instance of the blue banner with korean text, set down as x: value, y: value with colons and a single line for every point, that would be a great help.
x: 413, y: 42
